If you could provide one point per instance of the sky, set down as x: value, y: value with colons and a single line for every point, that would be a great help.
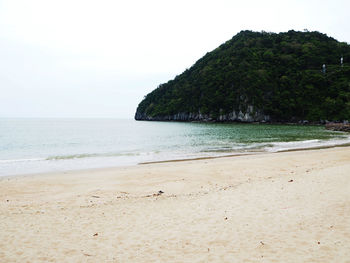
x: 98, y: 59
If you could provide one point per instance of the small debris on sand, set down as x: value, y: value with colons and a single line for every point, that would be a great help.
x: 290, y: 181
x: 160, y: 192
x: 95, y: 235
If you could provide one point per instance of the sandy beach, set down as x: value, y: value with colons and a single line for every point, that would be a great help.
x: 272, y: 207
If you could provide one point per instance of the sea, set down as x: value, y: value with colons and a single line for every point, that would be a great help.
x: 30, y: 146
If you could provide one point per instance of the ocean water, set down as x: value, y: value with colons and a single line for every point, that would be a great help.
x: 47, y: 145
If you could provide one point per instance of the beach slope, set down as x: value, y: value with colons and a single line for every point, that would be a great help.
x: 273, y: 207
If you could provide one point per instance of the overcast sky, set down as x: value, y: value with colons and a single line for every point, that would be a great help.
x: 81, y: 58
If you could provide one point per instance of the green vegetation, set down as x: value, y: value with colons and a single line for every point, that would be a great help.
x: 279, y: 75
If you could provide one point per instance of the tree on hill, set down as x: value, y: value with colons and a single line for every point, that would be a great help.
x: 277, y: 75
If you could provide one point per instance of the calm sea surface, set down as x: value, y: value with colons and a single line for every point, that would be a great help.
x: 43, y: 145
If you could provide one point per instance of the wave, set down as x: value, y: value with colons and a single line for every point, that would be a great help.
x: 22, y: 160
x: 294, y: 145
x: 207, y: 151
x: 68, y: 157
x: 89, y: 155
x: 238, y: 148
x: 278, y: 146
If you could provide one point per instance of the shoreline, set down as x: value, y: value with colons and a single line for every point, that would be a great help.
x: 252, y: 153
x: 299, y: 122
x: 247, y: 154
x: 43, y: 159
x: 285, y: 207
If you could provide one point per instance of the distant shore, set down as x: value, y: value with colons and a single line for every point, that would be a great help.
x: 275, y: 207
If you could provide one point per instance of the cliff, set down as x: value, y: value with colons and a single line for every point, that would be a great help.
x: 248, y: 116
x: 259, y: 76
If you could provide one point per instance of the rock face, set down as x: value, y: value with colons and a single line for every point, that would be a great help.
x: 235, y: 116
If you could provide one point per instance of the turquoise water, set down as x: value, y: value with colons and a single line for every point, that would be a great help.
x: 42, y: 145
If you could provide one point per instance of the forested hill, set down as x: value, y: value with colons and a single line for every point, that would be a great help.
x: 259, y: 76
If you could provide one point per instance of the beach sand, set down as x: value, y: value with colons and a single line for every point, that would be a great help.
x: 273, y: 207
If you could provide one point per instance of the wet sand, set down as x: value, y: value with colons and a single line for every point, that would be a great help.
x: 273, y: 207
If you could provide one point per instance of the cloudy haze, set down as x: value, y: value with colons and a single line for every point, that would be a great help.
x: 99, y: 58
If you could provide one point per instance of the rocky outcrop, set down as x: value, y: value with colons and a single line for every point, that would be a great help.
x: 338, y: 127
x: 250, y: 115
